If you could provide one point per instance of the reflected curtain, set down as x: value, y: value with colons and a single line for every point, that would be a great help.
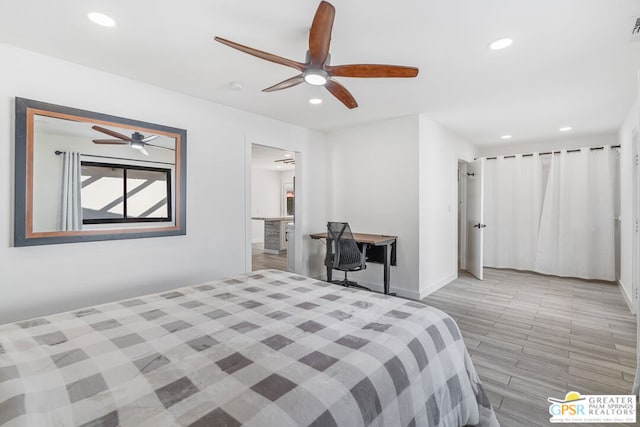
x: 513, y: 203
x: 576, y: 236
x: 70, y: 203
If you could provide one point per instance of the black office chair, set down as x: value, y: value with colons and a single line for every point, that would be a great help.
x: 344, y: 254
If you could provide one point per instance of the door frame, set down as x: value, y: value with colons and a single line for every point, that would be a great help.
x: 462, y: 215
x: 248, y: 261
x: 470, y: 227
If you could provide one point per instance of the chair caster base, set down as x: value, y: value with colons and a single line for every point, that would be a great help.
x: 349, y: 284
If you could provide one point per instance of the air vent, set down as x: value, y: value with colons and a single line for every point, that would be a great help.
x: 635, y: 28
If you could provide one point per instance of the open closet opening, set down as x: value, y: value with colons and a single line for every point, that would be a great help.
x: 554, y: 213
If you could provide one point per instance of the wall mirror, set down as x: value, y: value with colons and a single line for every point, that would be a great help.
x: 85, y: 176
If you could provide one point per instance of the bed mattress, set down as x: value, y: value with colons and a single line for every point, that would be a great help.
x: 268, y: 348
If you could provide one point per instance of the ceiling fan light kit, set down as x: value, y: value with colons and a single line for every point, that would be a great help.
x: 316, y: 70
x: 315, y: 77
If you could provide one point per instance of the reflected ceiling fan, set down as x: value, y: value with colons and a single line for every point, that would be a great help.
x: 316, y: 70
x: 136, y: 140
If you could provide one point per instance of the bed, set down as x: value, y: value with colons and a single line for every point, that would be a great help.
x: 268, y: 348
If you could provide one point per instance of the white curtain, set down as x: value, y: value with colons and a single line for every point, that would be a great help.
x: 513, y: 203
x: 553, y: 216
x: 70, y: 203
x: 577, y: 224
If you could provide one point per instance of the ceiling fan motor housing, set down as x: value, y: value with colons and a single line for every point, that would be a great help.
x: 137, y: 136
x: 308, y: 58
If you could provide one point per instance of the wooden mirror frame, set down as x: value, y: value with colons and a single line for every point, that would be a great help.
x: 24, y: 235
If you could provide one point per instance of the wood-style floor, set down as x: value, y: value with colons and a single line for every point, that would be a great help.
x: 261, y: 260
x: 532, y: 337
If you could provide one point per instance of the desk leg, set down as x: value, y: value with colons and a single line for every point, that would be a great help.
x: 387, y: 269
x: 327, y: 260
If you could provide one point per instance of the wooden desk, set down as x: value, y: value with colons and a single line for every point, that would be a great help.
x: 387, y: 242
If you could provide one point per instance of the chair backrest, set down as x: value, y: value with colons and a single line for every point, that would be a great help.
x: 346, y: 253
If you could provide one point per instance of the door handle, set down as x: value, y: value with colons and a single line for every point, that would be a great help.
x: 478, y: 225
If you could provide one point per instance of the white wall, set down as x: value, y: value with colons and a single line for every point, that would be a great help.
x: 439, y: 151
x: 542, y: 146
x: 287, y: 176
x: 311, y: 201
x: 265, y: 199
x: 372, y: 175
x: 40, y: 280
x: 626, y: 197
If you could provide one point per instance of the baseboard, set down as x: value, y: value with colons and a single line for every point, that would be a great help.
x: 626, y: 297
x: 274, y: 251
x: 435, y: 286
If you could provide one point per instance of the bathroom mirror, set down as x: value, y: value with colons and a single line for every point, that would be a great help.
x: 85, y: 176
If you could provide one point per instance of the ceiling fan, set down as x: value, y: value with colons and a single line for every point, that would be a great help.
x: 136, y: 140
x: 316, y: 70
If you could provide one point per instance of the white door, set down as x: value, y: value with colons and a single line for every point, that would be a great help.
x: 475, y: 225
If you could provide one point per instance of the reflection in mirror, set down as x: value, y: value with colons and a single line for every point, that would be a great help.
x: 89, y: 176
x: 114, y: 188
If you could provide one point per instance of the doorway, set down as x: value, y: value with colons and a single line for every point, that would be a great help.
x: 470, y: 217
x: 272, y: 179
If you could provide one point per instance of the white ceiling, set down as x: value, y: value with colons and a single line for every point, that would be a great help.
x: 571, y: 63
x: 263, y: 157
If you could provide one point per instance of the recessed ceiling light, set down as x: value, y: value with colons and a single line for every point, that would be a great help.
x: 288, y: 155
x: 506, y: 136
x: 237, y: 86
x: 500, y: 44
x: 565, y: 129
x: 101, y: 19
x: 315, y: 101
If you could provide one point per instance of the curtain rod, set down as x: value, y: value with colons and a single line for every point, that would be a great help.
x: 551, y: 152
x: 58, y: 152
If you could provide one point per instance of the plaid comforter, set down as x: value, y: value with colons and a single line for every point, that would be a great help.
x: 262, y: 349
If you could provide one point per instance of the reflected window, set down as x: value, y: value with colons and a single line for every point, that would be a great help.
x: 113, y: 193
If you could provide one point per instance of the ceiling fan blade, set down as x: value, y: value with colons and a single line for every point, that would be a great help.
x: 160, y: 146
x: 371, y: 70
x: 110, y: 141
x: 320, y: 34
x: 112, y: 133
x: 341, y: 93
x: 150, y: 138
x: 262, y: 55
x: 293, y: 81
x: 143, y: 151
